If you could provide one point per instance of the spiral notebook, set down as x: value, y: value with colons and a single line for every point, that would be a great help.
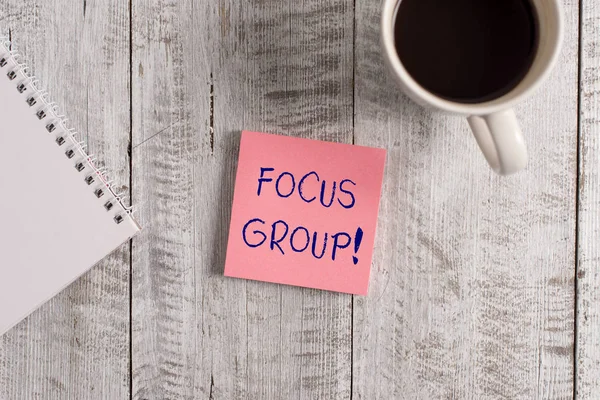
x: 58, y: 213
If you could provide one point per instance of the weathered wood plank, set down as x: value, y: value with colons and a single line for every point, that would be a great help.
x: 171, y: 113
x: 588, y: 275
x: 308, y: 93
x: 77, y: 345
x: 203, y: 72
x: 472, y: 291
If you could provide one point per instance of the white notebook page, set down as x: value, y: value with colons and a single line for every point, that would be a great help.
x: 53, y: 228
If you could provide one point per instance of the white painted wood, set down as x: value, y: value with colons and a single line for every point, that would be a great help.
x: 588, y: 274
x: 77, y: 345
x: 203, y: 72
x: 472, y: 291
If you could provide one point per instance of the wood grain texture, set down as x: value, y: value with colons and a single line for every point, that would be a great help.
x: 203, y: 71
x: 472, y: 289
x: 77, y: 345
x: 588, y: 274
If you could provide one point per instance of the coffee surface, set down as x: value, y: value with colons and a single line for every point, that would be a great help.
x: 467, y: 51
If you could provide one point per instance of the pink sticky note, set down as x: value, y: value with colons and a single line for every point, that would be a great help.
x: 304, y: 212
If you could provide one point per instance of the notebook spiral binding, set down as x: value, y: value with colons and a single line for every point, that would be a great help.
x: 65, y: 137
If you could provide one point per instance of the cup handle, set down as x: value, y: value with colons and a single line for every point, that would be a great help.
x: 501, y: 141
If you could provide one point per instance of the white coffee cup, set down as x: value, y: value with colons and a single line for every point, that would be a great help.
x: 493, y: 122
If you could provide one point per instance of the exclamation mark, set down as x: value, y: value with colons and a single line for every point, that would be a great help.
x: 357, y: 240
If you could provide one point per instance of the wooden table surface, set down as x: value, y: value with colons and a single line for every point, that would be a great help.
x: 482, y: 287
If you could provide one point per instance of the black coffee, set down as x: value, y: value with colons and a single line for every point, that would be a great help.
x: 467, y: 51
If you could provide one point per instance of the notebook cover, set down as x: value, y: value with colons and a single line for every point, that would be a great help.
x: 53, y: 226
